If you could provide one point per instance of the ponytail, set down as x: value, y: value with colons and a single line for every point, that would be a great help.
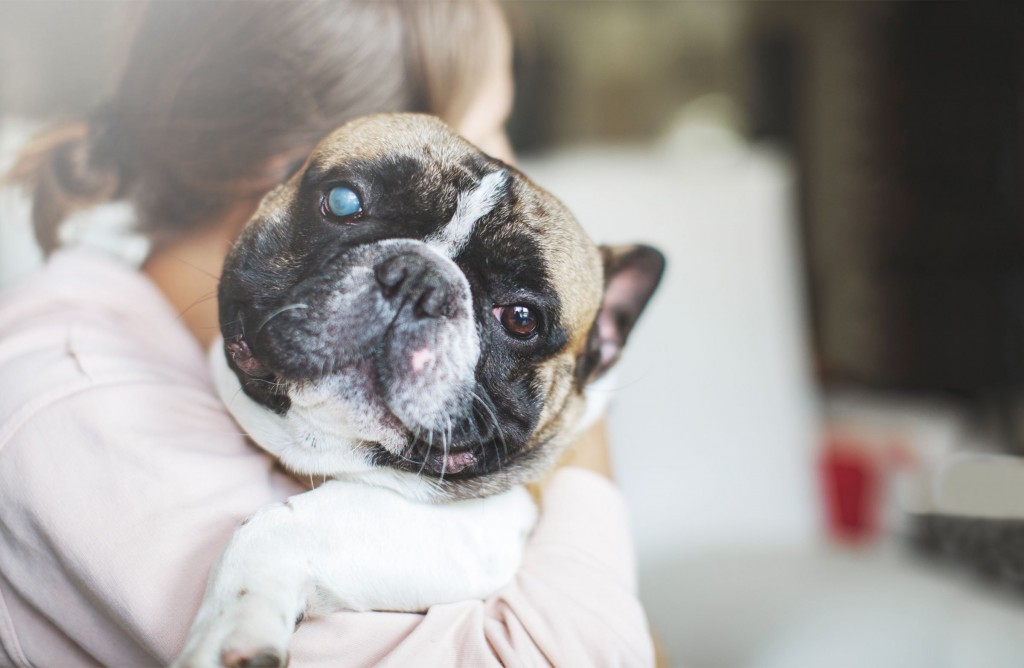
x: 62, y: 173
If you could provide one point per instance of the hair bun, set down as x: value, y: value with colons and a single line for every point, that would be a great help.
x: 63, y: 173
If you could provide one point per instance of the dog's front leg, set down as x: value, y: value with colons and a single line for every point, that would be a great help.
x: 350, y: 546
x: 255, y: 595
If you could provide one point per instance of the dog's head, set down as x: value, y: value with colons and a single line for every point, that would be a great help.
x: 409, y: 308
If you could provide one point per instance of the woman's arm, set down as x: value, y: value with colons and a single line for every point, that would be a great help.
x: 109, y: 536
x: 573, y: 602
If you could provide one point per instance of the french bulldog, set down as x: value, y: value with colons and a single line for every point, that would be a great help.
x: 419, y: 326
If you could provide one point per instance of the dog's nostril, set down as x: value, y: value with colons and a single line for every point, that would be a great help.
x: 410, y: 282
x: 391, y: 273
x: 432, y: 302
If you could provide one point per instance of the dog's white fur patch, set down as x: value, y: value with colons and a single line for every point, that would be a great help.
x: 473, y: 205
x: 311, y: 438
x: 285, y: 437
x: 597, y: 396
x: 358, y: 547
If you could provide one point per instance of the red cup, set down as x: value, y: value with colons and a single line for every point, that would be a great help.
x: 851, y: 480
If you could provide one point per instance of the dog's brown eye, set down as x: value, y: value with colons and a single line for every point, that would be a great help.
x: 518, y: 320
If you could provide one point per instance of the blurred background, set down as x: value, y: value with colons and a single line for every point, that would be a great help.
x: 838, y: 344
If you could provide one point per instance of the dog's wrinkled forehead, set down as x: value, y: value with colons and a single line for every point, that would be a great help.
x: 387, y: 137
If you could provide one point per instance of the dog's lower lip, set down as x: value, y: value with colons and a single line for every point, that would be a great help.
x: 454, y: 462
x: 448, y: 461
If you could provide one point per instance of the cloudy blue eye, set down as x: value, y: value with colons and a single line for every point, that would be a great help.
x: 342, y: 201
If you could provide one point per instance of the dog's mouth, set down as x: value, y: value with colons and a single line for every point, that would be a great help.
x: 462, y: 449
x: 441, y: 460
x: 460, y: 461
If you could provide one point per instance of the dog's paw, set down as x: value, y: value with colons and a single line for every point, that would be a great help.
x: 238, y: 637
x: 236, y: 651
x: 266, y: 657
x: 263, y: 657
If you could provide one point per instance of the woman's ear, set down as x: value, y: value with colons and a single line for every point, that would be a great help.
x: 631, y: 275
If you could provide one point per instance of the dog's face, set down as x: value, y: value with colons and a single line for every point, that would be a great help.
x: 407, y: 305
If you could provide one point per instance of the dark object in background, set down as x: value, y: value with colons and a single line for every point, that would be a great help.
x: 912, y: 180
x: 775, y: 114
x: 949, y: 150
x: 991, y: 548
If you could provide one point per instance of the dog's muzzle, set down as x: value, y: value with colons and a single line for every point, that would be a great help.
x: 395, y: 316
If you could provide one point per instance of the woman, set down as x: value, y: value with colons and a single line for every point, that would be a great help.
x: 121, y: 475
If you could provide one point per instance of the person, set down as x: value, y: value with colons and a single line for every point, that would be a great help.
x: 122, y: 477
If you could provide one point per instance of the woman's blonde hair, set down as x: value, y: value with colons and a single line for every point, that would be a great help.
x: 212, y: 95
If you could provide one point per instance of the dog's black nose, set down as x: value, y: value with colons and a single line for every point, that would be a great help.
x: 412, y: 281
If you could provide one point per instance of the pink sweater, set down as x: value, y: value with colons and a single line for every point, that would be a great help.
x: 122, y: 478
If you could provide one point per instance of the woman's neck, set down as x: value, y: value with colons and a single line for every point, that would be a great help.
x: 187, y: 271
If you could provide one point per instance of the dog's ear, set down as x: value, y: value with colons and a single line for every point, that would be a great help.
x: 631, y: 275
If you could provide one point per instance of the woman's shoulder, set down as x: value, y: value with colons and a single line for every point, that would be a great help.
x: 121, y: 472
x: 86, y: 321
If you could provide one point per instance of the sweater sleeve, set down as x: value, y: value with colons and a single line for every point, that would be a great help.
x: 116, y: 497
x: 106, y: 542
x: 573, y: 602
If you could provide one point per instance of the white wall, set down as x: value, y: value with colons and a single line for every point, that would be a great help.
x: 715, y: 415
x: 714, y: 422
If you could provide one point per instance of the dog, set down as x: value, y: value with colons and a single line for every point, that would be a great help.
x: 417, y: 324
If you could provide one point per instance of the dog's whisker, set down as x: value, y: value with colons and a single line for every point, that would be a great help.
x: 430, y: 447
x: 195, y: 266
x: 275, y: 313
x: 481, y: 437
x: 234, y: 396
x: 417, y: 436
x: 275, y: 386
x: 495, y: 422
x: 451, y: 431
x: 446, y: 442
x: 205, y: 298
